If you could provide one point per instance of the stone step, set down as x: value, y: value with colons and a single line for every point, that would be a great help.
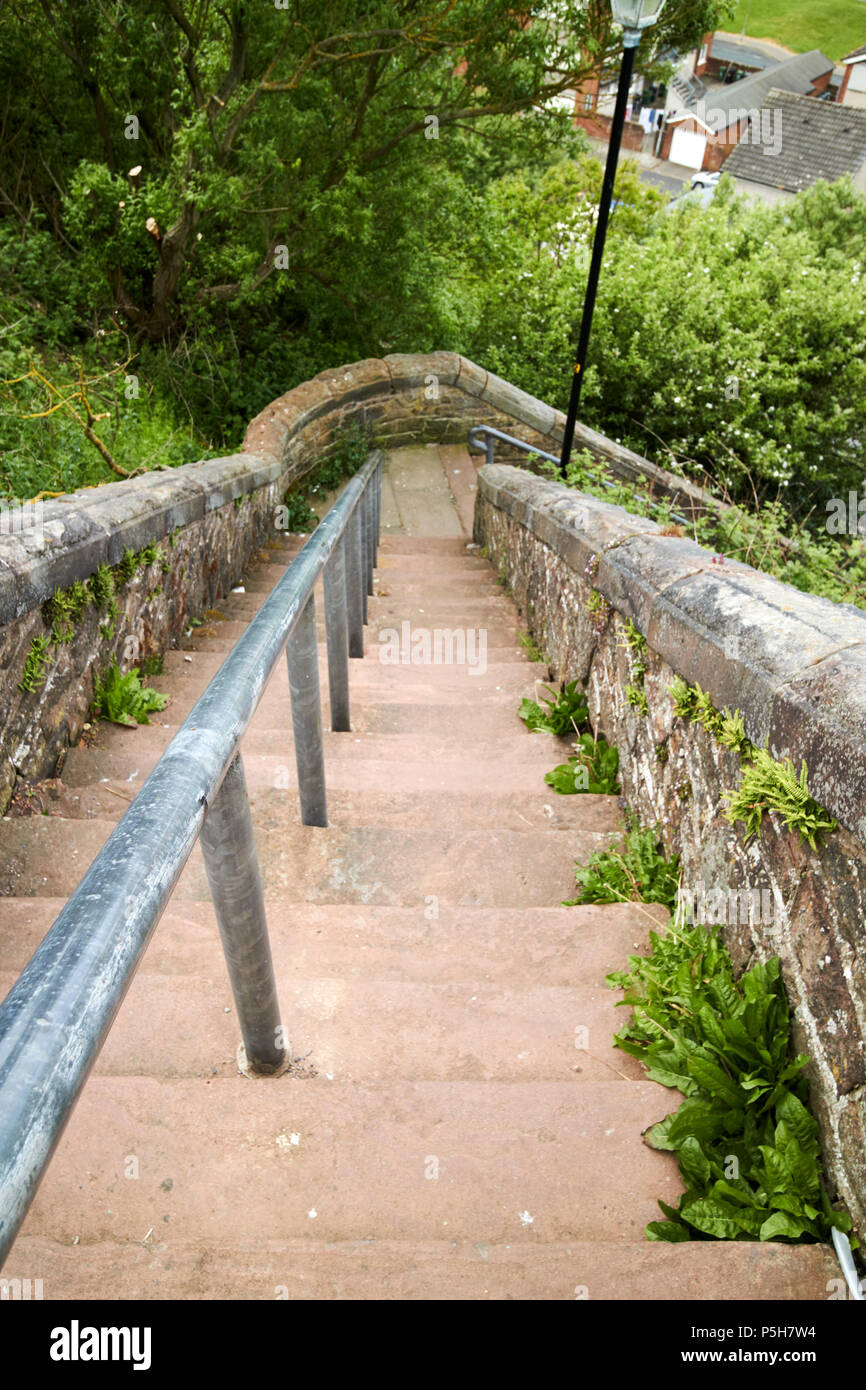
x: 274, y: 735
x: 499, y: 683
x: 125, y: 768
x: 272, y: 788
x: 47, y: 857
x: 434, y: 944
x: 458, y: 720
x: 425, y: 545
x: 518, y: 1162
x: 442, y: 1270
x: 370, y: 1031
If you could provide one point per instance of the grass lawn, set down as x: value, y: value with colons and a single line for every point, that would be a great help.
x: 834, y: 26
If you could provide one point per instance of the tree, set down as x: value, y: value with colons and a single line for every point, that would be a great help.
x: 268, y: 138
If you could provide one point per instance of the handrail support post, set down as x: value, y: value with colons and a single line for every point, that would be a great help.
x: 232, y: 870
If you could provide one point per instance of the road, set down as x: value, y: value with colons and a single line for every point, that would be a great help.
x: 667, y: 182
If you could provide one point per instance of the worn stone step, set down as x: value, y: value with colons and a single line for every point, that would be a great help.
x: 499, y: 682
x: 457, y: 720
x: 47, y: 857
x: 276, y: 803
x: 125, y: 768
x: 373, y: 1030
x: 163, y: 1267
x: 518, y: 1162
x: 433, y: 944
x: 139, y: 749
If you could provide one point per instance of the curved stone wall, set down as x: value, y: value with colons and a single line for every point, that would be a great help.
x: 209, y: 518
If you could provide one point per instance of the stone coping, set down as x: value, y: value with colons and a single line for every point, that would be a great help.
x: 792, y: 663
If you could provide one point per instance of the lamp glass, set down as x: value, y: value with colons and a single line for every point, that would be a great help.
x: 636, y: 14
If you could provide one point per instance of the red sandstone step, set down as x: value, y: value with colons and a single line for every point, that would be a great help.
x: 47, y: 857
x: 306, y: 1270
x: 126, y: 769
x: 395, y: 544
x: 433, y: 944
x: 275, y: 804
x: 369, y: 1031
x: 518, y: 1162
x: 502, y: 684
x: 447, y: 759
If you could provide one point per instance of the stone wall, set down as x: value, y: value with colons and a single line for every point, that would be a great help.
x: 795, y: 666
x: 210, y: 517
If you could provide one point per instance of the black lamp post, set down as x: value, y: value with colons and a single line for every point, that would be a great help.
x: 634, y: 16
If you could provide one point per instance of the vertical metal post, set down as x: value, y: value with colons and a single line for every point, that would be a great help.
x: 232, y: 869
x: 337, y: 637
x: 361, y: 523
x: 614, y: 141
x: 354, y: 596
x: 302, y: 655
x: 367, y: 504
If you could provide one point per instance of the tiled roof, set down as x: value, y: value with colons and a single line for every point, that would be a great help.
x: 857, y: 56
x: 805, y: 140
x: 796, y: 74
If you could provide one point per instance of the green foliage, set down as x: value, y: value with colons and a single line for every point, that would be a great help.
x: 101, y: 586
x: 593, y: 768
x: 638, y: 872
x: 566, y: 711
x: 768, y: 785
x: 636, y: 696
x: 746, y: 1145
x: 350, y: 450
x: 299, y: 518
x: 152, y: 665
x: 63, y: 610
x: 529, y: 645
x: 123, y: 700
x: 732, y: 734
x: 36, y: 665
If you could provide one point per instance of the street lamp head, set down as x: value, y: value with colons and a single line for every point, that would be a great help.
x: 634, y: 16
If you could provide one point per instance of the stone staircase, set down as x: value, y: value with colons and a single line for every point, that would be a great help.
x: 440, y: 1135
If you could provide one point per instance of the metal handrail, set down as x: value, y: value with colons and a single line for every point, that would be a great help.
x: 56, y: 1018
x: 474, y: 441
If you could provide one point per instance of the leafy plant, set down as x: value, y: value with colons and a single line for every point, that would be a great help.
x: 36, y: 665
x: 593, y: 768
x: 732, y: 734
x: 527, y: 642
x: 636, y: 696
x: 638, y: 872
x: 101, y: 586
x: 300, y: 517
x: 746, y: 1145
x: 566, y: 711
x: 123, y: 700
x: 63, y: 609
x: 768, y: 785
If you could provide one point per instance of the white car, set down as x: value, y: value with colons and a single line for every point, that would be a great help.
x: 704, y: 179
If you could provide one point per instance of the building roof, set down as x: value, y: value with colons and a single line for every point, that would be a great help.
x: 858, y: 56
x: 811, y: 140
x: 739, y: 55
x: 796, y: 74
